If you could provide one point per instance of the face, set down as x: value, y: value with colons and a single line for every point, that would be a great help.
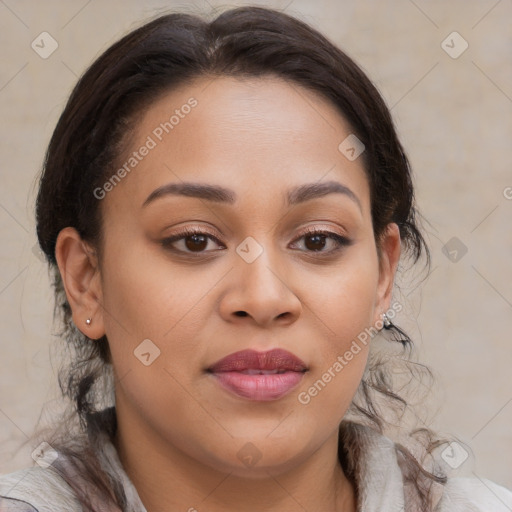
x: 270, y: 264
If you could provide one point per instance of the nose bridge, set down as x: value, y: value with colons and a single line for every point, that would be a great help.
x: 259, y: 265
x: 260, y: 288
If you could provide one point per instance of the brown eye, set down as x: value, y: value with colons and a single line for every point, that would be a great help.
x: 315, y: 241
x: 194, y: 241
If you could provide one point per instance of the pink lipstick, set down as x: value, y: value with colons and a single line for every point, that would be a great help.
x: 261, y: 376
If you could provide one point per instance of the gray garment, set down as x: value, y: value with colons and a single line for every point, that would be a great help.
x: 369, y: 459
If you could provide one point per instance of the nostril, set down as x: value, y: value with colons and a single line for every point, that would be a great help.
x: 241, y: 313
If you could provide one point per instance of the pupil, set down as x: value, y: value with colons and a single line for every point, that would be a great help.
x: 317, y: 239
x: 197, y: 243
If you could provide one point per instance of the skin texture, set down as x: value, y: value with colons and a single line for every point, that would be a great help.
x: 179, y: 432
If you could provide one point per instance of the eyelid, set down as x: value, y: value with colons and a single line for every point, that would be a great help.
x: 316, y: 229
x: 189, y: 231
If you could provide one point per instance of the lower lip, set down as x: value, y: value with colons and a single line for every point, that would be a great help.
x: 259, y: 387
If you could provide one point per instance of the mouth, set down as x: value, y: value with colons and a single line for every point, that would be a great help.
x: 260, y: 376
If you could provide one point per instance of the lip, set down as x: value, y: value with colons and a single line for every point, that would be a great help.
x: 247, y: 374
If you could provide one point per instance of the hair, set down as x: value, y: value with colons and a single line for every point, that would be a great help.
x: 94, y: 130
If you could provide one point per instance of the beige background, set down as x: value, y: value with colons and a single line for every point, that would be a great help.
x: 454, y: 116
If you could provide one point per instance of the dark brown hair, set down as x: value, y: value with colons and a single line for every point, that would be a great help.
x: 94, y: 130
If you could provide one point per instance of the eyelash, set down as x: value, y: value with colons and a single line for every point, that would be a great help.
x: 342, y: 241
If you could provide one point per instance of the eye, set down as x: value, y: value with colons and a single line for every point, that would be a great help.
x: 197, y: 241
x: 194, y: 241
x: 315, y: 240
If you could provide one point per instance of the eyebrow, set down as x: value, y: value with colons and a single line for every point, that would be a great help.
x: 218, y: 194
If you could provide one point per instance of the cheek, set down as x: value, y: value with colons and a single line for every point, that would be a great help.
x: 143, y: 295
x: 344, y: 301
x: 342, y: 307
x: 148, y: 298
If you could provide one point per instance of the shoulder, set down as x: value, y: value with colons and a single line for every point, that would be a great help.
x: 386, y: 482
x: 36, y: 489
x: 468, y: 494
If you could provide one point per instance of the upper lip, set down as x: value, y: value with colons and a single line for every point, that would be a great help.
x: 276, y: 359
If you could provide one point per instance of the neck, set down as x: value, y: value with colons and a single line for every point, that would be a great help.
x: 166, y: 478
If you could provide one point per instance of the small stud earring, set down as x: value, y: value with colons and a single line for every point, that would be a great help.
x: 387, y: 321
x: 88, y: 321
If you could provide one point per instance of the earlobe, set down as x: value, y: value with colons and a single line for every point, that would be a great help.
x: 390, y: 255
x: 78, y: 266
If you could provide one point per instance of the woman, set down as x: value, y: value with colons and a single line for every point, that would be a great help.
x: 224, y: 206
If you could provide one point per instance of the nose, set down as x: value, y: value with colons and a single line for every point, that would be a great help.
x: 260, y: 292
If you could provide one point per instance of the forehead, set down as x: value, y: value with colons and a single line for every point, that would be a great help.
x: 259, y: 136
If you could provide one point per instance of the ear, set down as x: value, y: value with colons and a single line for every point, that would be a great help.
x: 78, y: 266
x: 390, y: 254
